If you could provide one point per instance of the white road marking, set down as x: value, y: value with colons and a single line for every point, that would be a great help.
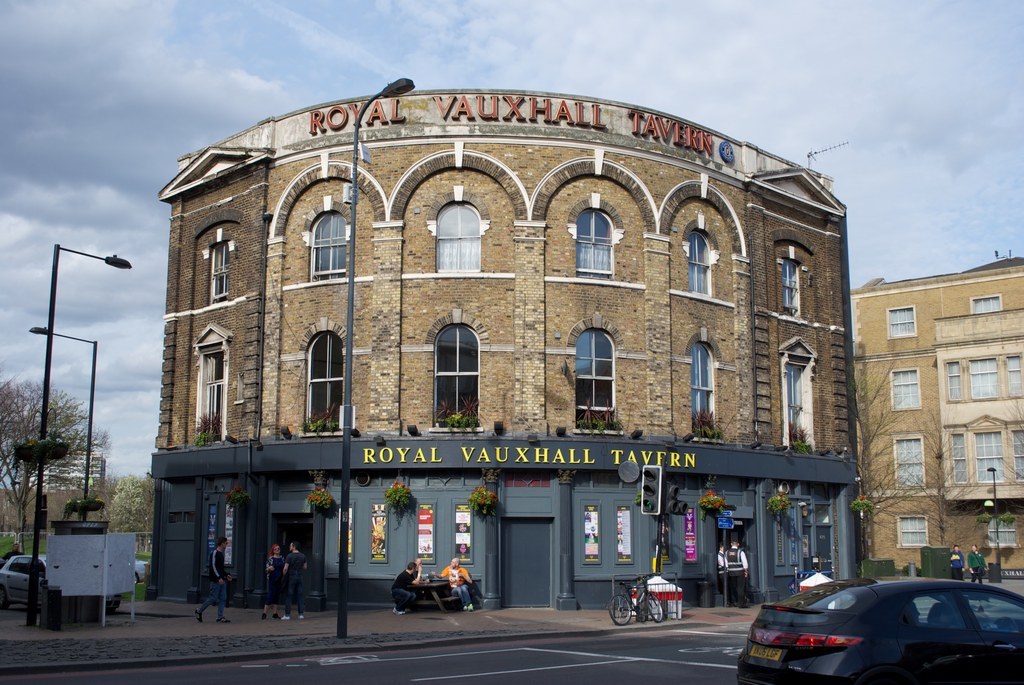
x: 711, y: 633
x: 255, y: 665
x: 637, y: 658
x: 526, y: 670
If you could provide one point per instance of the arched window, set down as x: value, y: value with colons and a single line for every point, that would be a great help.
x: 330, y: 244
x: 456, y: 378
x: 595, y: 377
x: 326, y: 376
x: 593, y: 244
x: 700, y: 270
x: 701, y: 380
x: 458, y: 238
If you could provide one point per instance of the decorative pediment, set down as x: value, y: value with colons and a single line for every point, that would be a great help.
x: 986, y: 421
x: 796, y: 347
x: 213, y: 335
x: 801, y: 186
x: 210, y: 163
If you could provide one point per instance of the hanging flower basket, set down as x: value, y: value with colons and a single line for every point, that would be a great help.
x: 237, y: 497
x: 398, y: 496
x: 83, y: 506
x: 710, y: 503
x: 320, y: 499
x: 862, y: 505
x: 49, y: 449
x: 778, y: 503
x: 483, y: 501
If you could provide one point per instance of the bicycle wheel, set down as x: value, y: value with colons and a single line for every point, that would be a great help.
x: 654, y: 609
x: 620, y: 609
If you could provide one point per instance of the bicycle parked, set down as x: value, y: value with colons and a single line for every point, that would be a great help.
x: 635, y: 599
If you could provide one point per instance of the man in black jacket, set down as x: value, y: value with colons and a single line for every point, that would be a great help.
x: 218, y: 583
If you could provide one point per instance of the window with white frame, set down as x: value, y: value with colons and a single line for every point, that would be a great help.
x: 902, y: 323
x: 701, y: 379
x: 1007, y: 533
x: 593, y: 244
x: 913, y: 531
x: 790, y: 286
x: 457, y: 378
x: 212, y: 388
x: 219, y: 259
x: 330, y: 246
x: 595, y: 373
x: 988, y: 453
x: 906, y: 393
x: 984, y: 379
x: 1013, y: 386
x: 794, y: 394
x: 984, y: 305
x: 953, y: 386
x: 1018, y: 454
x: 326, y: 376
x: 700, y: 264
x: 958, y: 448
x: 458, y: 238
x: 909, y: 461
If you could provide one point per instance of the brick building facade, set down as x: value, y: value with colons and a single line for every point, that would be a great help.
x: 546, y: 287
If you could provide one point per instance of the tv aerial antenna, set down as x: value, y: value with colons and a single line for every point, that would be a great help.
x: 813, y: 154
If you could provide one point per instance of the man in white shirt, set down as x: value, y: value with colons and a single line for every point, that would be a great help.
x: 737, y: 571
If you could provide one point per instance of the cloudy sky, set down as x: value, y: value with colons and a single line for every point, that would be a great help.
x: 98, y: 99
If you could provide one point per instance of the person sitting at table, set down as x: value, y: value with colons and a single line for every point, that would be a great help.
x: 400, y: 591
x: 458, y: 579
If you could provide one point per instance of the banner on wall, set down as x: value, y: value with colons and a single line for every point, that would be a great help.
x: 425, y: 533
x: 229, y: 533
x: 591, y: 534
x: 350, y: 533
x: 211, y: 530
x: 624, y: 535
x: 378, y: 533
x: 464, y: 534
x: 690, y: 536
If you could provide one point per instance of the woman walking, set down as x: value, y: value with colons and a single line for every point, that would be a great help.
x: 976, y: 563
x: 275, y: 564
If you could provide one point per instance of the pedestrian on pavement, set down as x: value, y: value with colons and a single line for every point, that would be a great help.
x: 976, y: 563
x: 275, y: 572
x: 737, y: 570
x: 722, y: 566
x: 294, y: 565
x: 14, y: 551
x: 400, y: 591
x: 957, y: 562
x: 219, y: 579
x: 459, y: 581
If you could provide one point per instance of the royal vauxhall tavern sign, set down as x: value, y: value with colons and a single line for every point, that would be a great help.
x: 481, y: 112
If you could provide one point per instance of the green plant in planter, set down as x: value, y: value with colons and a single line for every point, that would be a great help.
x: 322, y: 422
x: 466, y: 417
x: 207, y: 429
x: 48, y: 449
x: 597, y: 420
x: 778, y: 503
x: 798, y: 440
x: 483, y: 501
x: 398, y: 496
x: 704, y: 426
x: 862, y: 505
x: 83, y: 506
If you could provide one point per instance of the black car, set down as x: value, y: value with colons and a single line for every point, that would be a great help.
x: 869, y: 632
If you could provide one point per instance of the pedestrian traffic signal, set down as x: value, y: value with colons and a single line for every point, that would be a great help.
x: 674, y: 505
x: 650, y: 491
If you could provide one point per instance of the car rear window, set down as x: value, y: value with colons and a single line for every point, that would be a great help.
x: 827, y: 597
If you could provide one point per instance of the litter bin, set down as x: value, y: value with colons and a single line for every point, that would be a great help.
x: 51, y: 605
x: 995, y: 573
x: 706, y: 594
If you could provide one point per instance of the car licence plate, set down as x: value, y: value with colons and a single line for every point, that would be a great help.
x: 762, y: 652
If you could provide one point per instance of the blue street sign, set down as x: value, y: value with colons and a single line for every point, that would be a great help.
x: 727, y: 513
x: 725, y: 522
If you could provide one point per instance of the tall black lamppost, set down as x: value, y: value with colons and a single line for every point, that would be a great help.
x: 996, y: 577
x: 393, y: 89
x: 39, y: 330
x: 33, y: 578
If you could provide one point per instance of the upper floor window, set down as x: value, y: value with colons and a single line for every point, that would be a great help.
x: 593, y: 244
x: 326, y: 376
x: 701, y: 380
x: 790, y: 286
x: 213, y: 392
x: 700, y: 264
x: 1018, y: 454
x: 913, y: 531
x: 1013, y: 386
x: 794, y: 394
x: 901, y: 322
x: 906, y: 393
x: 988, y: 453
x: 330, y: 246
x: 219, y: 258
x: 984, y: 379
x: 959, y: 454
x: 1007, y: 533
x: 458, y: 238
x: 984, y: 305
x: 953, y: 381
x: 456, y: 378
x: 595, y: 372
x: 910, y: 461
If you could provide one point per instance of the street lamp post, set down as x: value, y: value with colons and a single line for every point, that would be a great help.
x: 39, y: 330
x: 996, y: 577
x: 33, y: 578
x: 393, y: 89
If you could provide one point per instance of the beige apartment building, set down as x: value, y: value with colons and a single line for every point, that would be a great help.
x: 941, y: 412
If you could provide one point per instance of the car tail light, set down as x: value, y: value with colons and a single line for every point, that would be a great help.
x: 783, y: 638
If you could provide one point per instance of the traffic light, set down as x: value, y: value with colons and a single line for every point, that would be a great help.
x: 673, y: 505
x: 650, y: 491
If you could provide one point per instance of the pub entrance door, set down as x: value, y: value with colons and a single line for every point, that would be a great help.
x: 526, y: 562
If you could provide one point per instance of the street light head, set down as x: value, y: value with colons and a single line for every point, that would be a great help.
x: 118, y: 262
x: 39, y: 330
x: 991, y: 469
x: 399, y: 87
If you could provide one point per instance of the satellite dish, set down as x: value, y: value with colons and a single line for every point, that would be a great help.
x: 629, y: 471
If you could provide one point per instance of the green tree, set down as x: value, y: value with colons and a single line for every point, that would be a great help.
x: 131, y: 508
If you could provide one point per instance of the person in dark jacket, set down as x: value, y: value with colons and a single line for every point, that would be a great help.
x: 400, y: 591
x: 219, y: 579
x: 957, y: 563
x: 294, y: 565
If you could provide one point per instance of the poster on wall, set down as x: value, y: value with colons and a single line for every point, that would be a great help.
x: 623, y: 535
x: 229, y: 533
x: 211, y: 530
x: 464, y: 534
x: 665, y: 541
x: 425, y: 533
x: 379, y: 533
x: 591, y: 534
x: 341, y: 521
x: 690, y: 536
